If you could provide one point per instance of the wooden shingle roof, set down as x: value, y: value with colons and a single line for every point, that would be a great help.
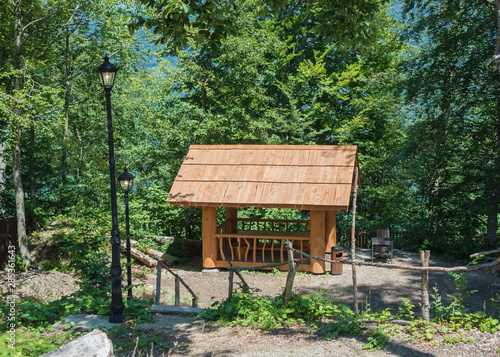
x: 300, y: 177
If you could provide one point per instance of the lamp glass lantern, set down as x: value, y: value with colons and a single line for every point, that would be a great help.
x: 107, y: 72
x: 126, y: 180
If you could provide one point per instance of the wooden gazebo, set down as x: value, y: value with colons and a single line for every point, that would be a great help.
x: 302, y: 177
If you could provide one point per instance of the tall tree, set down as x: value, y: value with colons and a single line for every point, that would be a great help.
x: 452, y: 90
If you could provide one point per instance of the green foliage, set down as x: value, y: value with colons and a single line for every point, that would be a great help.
x: 29, y: 343
x: 378, y: 340
x: 268, y: 313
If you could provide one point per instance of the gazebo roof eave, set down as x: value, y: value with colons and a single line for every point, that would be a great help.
x: 299, y: 207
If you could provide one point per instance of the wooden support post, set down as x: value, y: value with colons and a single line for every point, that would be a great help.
x: 158, y: 284
x: 317, y: 240
x: 330, y: 230
x: 232, y: 214
x: 426, y: 306
x: 177, y: 291
x: 209, y: 240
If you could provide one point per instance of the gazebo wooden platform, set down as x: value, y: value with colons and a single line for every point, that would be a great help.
x: 306, y: 177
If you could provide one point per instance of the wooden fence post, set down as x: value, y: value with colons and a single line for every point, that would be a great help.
x: 292, y: 270
x: 158, y: 284
x: 231, y: 279
x: 426, y: 306
x: 177, y: 291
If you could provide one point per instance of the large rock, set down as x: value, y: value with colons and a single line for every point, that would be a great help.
x: 94, y: 344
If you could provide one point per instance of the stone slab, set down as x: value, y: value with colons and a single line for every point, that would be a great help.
x: 85, y: 322
x: 175, y: 309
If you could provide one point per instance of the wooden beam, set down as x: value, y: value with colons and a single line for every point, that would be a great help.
x: 330, y: 230
x: 317, y: 240
x: 209, y: 241
x: 232, y: 214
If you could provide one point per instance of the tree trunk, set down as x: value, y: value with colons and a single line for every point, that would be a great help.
x: 16, y: 162
x: 2, y: 175
x: 67, y: 90
x: 20, y: 213
x: 353, y: 243
x: 426, y: 306
x: 492, y: 223
x: 32, y: 164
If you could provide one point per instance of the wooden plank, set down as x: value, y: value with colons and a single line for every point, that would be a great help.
x: 288, y: 157
x: 288, y: 174
x: 212, y: 172
x: 304, y: 157
x: 338, y: 158
x: 247, y: 193
x: 350, y: 158
x: 213, y: 192
x: 209, y: 240
x: 295, y: 157
x: 194, y: 172
x: 325, y: 157
x: 345, y: 175
x: 313, y: 157
x: 198, y: 156
x: 217, y: 157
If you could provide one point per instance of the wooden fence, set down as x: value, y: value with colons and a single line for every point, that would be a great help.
x: 364, y: 238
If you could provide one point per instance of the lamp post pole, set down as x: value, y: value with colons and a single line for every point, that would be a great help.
x: 129, y: 266
x: 107, y: 73
x: 126, y: 181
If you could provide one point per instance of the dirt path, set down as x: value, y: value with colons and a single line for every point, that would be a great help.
x: 381, y: 288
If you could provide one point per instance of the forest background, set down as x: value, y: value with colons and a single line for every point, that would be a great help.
x: 414, y: 84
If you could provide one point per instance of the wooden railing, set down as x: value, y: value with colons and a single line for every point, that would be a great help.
x: 178, y: 281
x: 282, y: 225
x: 260, y: 241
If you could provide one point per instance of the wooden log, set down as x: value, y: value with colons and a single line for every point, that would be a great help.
x: 140, y: 256
x: 95, y: 343
x: 485, y: 253
x: 426, y: 306
x: 156, y: 254
x: 164, y: 239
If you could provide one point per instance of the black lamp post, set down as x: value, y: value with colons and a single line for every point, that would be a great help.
x: 126, y: 181
x: 107, y: 72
